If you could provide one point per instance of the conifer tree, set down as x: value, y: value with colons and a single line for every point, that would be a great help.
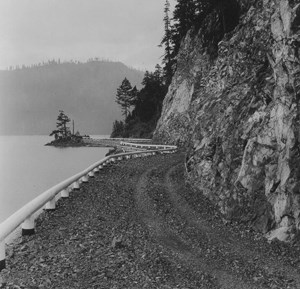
x: 62, y: 123
x: 167, y: 43
x: 118, y: 129
x: 134, y: 93
x: 184, y: 17
x: 62, y: 130
x: 124, y: 96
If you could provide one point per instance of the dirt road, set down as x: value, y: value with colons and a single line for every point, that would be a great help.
x: 138, y: 225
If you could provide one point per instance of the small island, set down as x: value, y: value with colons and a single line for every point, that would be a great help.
x: 63, y: 137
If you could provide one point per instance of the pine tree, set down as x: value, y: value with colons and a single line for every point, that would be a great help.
x: 61, y: 124
x: 133, y: 95
x: 124, y: 96
x: 150, y: 97
x: 167, y: 60
x: 184, y: 17
x: 62, y: 130
x: 118, y: 129
x: 158, y: 73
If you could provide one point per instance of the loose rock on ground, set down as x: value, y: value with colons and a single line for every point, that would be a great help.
x: 138, y: 225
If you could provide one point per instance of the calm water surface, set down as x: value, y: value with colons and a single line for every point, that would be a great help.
x: 28, y: 168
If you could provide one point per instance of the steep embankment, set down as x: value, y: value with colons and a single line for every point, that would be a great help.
x: 238, y: 114
x: 31, y: 97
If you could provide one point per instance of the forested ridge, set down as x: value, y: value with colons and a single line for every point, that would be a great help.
x: 31, y: 96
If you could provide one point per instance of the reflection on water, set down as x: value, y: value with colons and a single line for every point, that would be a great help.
x: 28, y: 168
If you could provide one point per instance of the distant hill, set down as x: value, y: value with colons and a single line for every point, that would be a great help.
x: 30, y: 98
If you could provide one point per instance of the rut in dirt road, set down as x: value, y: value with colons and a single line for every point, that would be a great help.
x: 170, y: 239
x: 241, y: 249
x: 200, y: 243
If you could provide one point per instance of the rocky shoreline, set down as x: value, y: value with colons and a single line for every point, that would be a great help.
x: 78, y: 142
x: 138, y: 225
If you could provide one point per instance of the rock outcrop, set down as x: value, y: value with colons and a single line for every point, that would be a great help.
x: 238, y: 114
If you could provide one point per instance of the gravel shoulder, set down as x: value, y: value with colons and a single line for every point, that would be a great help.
x: 137, y: 224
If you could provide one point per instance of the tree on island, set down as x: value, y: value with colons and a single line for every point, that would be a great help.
x: 63, y: 135
x: 62, y: 129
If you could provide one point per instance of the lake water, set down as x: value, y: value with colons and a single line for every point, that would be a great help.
x: 28, y: 168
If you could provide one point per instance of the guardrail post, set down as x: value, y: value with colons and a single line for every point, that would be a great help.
x: 50, y: 205
x: 28, y: 226
x: 65, y: 193
x: 96, y: 170
x: 2, y: 255
x: 85, y: 179
x: 76, y: 185
x: 91, y: 174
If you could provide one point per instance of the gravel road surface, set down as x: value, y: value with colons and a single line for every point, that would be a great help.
x: 137, y: 224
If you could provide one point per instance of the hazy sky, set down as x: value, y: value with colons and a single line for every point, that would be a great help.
x: 33, y: 31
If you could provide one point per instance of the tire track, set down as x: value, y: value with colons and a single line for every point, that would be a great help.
x: 234, y: 246
x: 168, y: 238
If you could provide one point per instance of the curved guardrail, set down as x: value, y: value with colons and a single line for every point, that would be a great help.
x: 134, y: 140
x: 112, y: 142
x: 26, y: 215
x: 147, y: 146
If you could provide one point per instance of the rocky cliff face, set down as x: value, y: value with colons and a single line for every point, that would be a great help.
x: 239, y: 114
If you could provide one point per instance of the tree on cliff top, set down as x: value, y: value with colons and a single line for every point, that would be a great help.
x: 62, y: 130
x: 214, y: 17
x: 166, y: 41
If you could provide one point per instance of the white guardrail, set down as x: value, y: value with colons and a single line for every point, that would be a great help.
x: 147, y: 146
x: 132, y: 140
x: 26, y: 215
